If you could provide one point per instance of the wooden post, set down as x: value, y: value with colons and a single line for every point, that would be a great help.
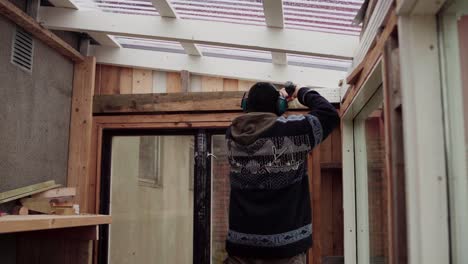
x: 315, y: 254
x: 185, y: 81
x: 80, y: 130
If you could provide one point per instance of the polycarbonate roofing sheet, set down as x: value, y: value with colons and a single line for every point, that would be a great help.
x: 331, y: 16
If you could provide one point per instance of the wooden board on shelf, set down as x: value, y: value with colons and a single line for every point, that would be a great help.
x: 28, y: 190
x: 21, y: 223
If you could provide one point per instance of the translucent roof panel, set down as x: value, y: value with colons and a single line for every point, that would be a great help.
x: 334, y: 16
x: 233, y: 53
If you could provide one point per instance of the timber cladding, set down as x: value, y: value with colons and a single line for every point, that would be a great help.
x: 123, y: 80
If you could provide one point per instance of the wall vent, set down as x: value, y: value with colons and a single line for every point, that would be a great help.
x: 22, y: 50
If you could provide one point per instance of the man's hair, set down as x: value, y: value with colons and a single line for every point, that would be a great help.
x: 262, y: 97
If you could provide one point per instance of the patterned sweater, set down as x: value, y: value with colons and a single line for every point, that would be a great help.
x: 270, y: 211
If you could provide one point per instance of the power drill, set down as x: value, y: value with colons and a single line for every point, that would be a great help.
x: 290, y: 88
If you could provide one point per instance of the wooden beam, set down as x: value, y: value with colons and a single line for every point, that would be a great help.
x: 203, y: 32
x: 173, y: 102
x: 185, y: 81
x: 10, y: 11
x: 218, y: 67
x: 353, y: 77
x: 21, y: 223
x: 80, y: 129
x: 370, y: 61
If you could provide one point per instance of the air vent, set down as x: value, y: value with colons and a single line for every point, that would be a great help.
x: 22, y: 51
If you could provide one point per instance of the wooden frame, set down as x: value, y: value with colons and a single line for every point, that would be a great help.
x: 455, y: 57
x: 425, y: 162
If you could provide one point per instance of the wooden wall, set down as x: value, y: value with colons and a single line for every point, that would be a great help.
x: 331, y: 195
x: 121, y: 80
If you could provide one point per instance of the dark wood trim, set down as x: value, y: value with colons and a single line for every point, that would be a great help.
x: 10, y: 11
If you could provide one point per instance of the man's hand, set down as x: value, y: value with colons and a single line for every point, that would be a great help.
x: 286, y: 95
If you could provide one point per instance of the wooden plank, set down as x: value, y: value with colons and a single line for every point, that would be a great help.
x: 17, y: 16
x: 40, y: 205
x: 212, y: 84
x: 230, y: 85
x: 185, y: 80
x: 165, y: 118
x: 30, y: 193
x: 26, y: 189
x: 173, y: 82
x: 327, y: 216
x: 245, y: 85
x: 394, y: 158
x: 315, y: 253
x: 336, y: 146
x: 110, y: 79
x: 213, y: 101
x: 90, y: 232
x: 126, y: 80
x: 370, y: 60
x: 20, y: 223
x: 337, y: 212
x: 59, y: 192
x: 326, y: 150
x: 142, y: 81
x: 80, y: 129
x: 97, y: 83
x: 353, y: 77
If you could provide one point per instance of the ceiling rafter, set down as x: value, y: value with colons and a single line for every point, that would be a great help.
x: 165, y: 9
x: 290, y: 41
x: 101, y: 38
x: 274, y: 17
x: 219, y: 67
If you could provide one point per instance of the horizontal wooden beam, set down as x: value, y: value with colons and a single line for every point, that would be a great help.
x: 172, y: 102
x: 218, y: 67
x: 10, y: 11
x: 202, y: 32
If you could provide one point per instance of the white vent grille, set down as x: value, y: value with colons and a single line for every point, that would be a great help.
x: 22, y: 50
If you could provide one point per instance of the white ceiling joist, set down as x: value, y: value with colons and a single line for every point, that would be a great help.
x: 101, y: 38
x: 203, y: 32
x: 105, y: 40
x: 219, y: 67
x: 274, y: 17
x: 165, y: 9
x: 64, y: 4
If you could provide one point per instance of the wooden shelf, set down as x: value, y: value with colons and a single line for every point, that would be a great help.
x: 21, y: 223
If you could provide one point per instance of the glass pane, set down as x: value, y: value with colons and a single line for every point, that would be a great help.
x: 377, y: 187
x: 151, y: 200
x: 219, y: 200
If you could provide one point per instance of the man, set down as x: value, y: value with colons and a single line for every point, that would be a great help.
x: 270, y: 211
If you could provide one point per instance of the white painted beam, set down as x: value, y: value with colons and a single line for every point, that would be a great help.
x: 219, y: 67
x: 105, y: 40
x: 203, y: 32
x: 279, y: 58
x: 165, y: 9
x: 64, y: 4
x: 274, y: 17
x: 101, y: 38
x: 273, y: 10
x: 423, y: 133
